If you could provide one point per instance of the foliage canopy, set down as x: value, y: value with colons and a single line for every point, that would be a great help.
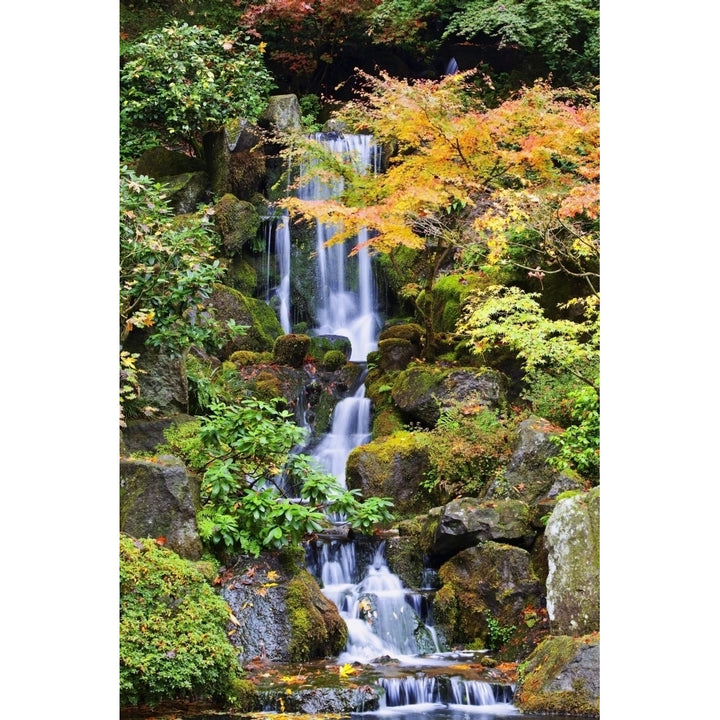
x: 181, y: 81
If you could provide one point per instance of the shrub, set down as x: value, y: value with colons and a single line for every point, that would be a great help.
x: 182, y: 81
x: 173, y: 642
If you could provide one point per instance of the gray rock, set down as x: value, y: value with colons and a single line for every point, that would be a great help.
x: 282, y: 114
x: 466, y: 521
x: 160, y: 499
x: 572, y: 540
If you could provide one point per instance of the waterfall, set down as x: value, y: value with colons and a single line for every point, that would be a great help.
x: 350, y: 428
x: 346, y: 300
x: 282, y: 250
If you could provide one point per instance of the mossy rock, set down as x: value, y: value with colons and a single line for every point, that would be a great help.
x: 244, y: 358
x: 321, y: 344
x: 263, y: 324
x: 386, y: 422
x: 247, y: 172
x: 237, y: 221
x: 159, y: 162
x: 291, y: 349
x: 412, y: 332
x: 391, y: 467
x: 561, y: 676
x: 491, y: 579
x: 243, y: 276
x: 421, y: 392
x: 334, y: 360
x: 317, y: 630
x: 396, y: 353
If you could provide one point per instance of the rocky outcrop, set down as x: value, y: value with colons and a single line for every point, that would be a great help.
x: 160, y: 499
x: 572, y: 540
x: 528, y: 472
x: 491, y: 582
x: 562, y: 676
x: 466, y: 521
x: 261, y: 322
x: 421, y: 393
x: 237, y: 221
x: 281, y: 614
x: 393, y: 467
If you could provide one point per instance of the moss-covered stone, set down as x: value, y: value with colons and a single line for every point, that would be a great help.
x: 317, y: 630
x: 561, y: 676
x: 263, y: 324
x: 412, y: 332
x: 491, y: 580
x: 248, y: 357
x: 333, y: 360
x: 243, y: 276
x: 320, y: 344
x: 291, y: 350
x: 244, y: 696
x: 391, y: 467
x: 422, y: 391
x: 237, y: 221
x: 159, y: 162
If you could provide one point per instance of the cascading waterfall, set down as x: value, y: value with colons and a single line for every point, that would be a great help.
x: 344, y: 307
x: 383, y: 617
x: 282, y: 250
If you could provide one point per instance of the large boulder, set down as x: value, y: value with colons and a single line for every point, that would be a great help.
x: 491, y: 582
x: 159, y: 162
x: 422, y: 392
x: 392, y: 466
x: 160, y: 499
x: 281, y: 614
x: 185, y: 192
x: 528, y: 473
x: 572, y: 540
x: 398, y: 345
x: 282, y: 114
x: 466, y: 521
x: 238, y: 222
x: 561, y: 677
x: 262, y: 323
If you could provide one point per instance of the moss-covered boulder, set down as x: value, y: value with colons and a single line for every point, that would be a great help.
x: 486, y: 586
x: 185, y: 192
x: 333, y: 360
x: 282, y: 114
x: 262, y: 323
x: 466, y: 521
x: 398, y: 345
x: 243, y: 275
x: 291, y: 349
x: 321, y: 344
x: 422, y: 392
x: 237, y: 221
x: 572, y: 540
x: 159, y: 162
x: 161, y: 499
x: 392, y: 467
x: 561, y: 677
x: 282, y: 615
x: 528, y: 472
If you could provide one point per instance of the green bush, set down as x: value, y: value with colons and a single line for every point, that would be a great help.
x: 173, y: 642
x: 465, y: 452
x: 182, y: 81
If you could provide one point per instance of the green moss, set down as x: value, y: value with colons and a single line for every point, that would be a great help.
x: 316, y: 631
x: 173, y: 642
x: 237, y: 221
x: 244, y: 696
x: 291, y: 349
x: 247, y: 357
x: 244, y: 276
x: 334, y: 360
x: 445, y: 608
x: 543, y: 665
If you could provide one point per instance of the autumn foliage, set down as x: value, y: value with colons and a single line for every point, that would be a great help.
x: 462, y: 175
x: 305, y: 35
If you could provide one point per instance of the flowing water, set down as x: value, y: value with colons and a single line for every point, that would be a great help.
x: 384, y: 618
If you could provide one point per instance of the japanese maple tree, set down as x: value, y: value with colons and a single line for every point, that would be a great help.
x: 516, y: 184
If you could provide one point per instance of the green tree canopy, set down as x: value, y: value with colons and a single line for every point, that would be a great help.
x: 184, y: 80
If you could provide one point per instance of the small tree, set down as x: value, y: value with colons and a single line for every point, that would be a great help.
x: 182, y: 81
